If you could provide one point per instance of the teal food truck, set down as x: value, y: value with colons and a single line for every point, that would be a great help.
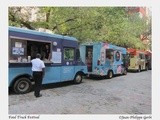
x: 103, y: 59
x: 64, y: 63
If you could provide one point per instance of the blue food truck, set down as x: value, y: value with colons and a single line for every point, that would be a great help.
x: 103, y: 59
x: 64, y: 63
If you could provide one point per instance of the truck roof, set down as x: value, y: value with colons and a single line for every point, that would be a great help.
x: 135, y: 51
x: 35, y: 32
x: 110, y: 46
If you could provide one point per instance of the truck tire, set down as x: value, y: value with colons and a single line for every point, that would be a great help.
x: 139, y: 69
x: 78, y: 78
x: 110, y: 74
x: 22, y: 85
x: 125, y: 72
x: 146, y: 68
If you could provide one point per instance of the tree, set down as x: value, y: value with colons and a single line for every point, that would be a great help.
x: 110, y: 24
x: 18, y: 16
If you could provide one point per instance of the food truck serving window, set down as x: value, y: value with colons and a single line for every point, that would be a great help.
x: 117, y: 56
x: 21, y: 50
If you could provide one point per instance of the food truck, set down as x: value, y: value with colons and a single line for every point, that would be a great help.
x: 103, y: 59
x: 64, y: 63
x: 137, y: 60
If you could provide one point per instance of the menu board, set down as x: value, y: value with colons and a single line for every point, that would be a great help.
x: 17, y: 51
x: 56, y: 57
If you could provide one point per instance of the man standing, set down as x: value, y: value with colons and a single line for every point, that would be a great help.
x: 38, y: 69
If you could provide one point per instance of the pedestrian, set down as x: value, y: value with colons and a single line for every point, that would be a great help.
x: 38, y: 69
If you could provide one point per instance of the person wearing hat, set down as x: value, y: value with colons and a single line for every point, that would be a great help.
x: 38, y: 69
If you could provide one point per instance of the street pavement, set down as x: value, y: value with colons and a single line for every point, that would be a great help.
x: 130, y: 94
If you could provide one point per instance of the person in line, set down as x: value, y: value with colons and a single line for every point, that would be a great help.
x: 38, y: 69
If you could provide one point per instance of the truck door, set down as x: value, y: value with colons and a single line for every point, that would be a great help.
x: 89, y: 57
x: 83, y: 53
x: 68, y: 69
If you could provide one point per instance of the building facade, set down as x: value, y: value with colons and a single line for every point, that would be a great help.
x: 144, y: 13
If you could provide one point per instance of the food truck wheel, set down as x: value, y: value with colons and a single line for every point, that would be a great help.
x: 78, y: 78
x: 125, y: 72
x: 110, y: 74
x: 22, y: 85
x: 139, y: 69
x: 146, y: 68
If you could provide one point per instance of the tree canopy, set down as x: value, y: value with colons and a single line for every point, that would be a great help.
x: 111, y: 24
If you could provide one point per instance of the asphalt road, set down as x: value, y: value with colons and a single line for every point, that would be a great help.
x: 130, y: 94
